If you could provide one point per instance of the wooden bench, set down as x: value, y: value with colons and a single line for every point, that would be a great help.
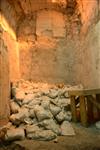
x: 88, y: 100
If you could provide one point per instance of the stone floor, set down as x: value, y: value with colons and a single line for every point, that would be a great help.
x: 85, y: 139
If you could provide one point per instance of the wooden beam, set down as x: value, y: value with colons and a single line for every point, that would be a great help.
x: 83, y: 112
x: 90, y: 110
x: 73, y: 109
x: 84, y: 92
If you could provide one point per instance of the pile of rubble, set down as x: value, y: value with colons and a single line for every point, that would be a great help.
x: 39, y: 111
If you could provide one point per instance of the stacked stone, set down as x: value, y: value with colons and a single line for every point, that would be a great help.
x: 39, y: 111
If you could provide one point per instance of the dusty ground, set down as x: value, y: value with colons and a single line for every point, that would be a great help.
x: 85, y: 139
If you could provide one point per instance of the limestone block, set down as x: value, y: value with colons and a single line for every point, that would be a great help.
x: 15, y: 134
x: 67, y: 129
x: 19, y: 117
x: 14, y: 107
x: 35, y: 133
x: 50, y: 124
x: 41, y: 113
x: 54, y: 109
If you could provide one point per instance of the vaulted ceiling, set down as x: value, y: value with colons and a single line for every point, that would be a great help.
x: 15, y: 10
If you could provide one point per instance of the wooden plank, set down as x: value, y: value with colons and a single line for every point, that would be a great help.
x: 98, y: 101
x: 73, y: 109
x: 90, y: 110
x: 94, y: 102
x: 83, y: 113
x: 85, y: 92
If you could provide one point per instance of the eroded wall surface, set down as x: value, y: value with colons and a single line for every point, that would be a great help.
x: 8, y: 21
x: 4, y: 79
x: 48, y: 49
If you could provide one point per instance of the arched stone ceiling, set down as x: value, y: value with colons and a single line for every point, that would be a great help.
x: 89, y: 11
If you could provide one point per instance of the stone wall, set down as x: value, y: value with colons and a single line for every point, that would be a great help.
x: 58, y: 46
x: 48, y: 48
x: 51, y: 40
x: 4, y: 79
x: 90, y: 49
x: 8, y: 21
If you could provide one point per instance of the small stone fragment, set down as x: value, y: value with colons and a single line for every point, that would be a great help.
x: 67, y: 129
x: 97, y: 124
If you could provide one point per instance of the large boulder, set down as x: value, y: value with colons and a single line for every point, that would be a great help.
x: 35, y: 133
x: 19, y: 117
x: 41, y: 113
x: 54, y: 109
x: 50, y: 124
x: 64, y: 115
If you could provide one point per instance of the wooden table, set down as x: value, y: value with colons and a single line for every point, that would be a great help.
x: 88, y: 99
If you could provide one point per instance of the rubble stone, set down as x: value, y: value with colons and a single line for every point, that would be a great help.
x: 50, y: 124
x: 97, y: 125
x: 35, y: 133
x: 42, y: 110
x: 19, y: 117
x: 67, y: 129
x: 19, y: 95
x: 41, y: 113
x: 14, y: 107
x: 54, y: 109
x: 15, y: 134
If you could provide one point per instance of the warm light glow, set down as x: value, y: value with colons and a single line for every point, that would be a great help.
x: 6, y: 26
x: 62, y: 3
x: 54, y: 1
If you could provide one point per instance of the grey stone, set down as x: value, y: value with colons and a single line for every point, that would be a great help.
x: 19, y: 95
x: 51, y: 125
x: 60, y: 117
x: 45, y: 102
x: 63, y: 102
x: 19, y: 117
x: 68, y: 116
x: 54, y: 109
x: 14, y: 107
x: 97, y: 124
x: 31, y: 113
x: 32, y: 129
x: 64, y: 115
x: 15, y: 134
x: 67, y: 129
x: 35, y: 133
x: 53, y: 93
x: 41, y: 113
x: 35, y: 101
x: 28, y: 98
x: 66, y: 94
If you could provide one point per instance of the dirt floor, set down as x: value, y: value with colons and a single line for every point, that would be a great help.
x: 85, y: 139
